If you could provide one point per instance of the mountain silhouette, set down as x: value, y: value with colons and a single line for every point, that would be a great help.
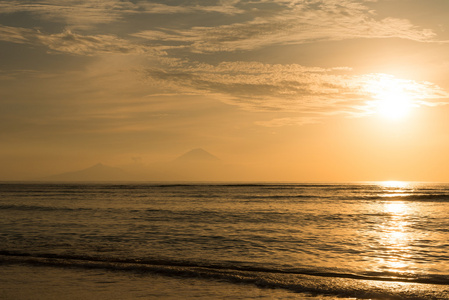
x: 98, y: 172
x: 194, y: 165
x: 197, y: 155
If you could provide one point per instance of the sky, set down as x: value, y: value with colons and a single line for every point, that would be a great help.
x: 283, y: 90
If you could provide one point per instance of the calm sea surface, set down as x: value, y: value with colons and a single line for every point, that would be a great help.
x: 372, y: 240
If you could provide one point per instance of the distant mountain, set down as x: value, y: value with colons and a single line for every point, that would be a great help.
x: 194, y: 165
x: 98, y: 172
x: 197, y: 155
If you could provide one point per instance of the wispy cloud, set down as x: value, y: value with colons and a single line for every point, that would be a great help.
x: 385, y: 86
x: 284, y: 22
x: 225, y: 7
x: 74, y: 43
x: 16, y: 35
x: 288, y: 88
x: 75, y: 13
x: 83, y: 14
x: 293, y: 22
x: 243, y: 26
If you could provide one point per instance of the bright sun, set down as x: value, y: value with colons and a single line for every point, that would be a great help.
x: 392, y: 97
x: 394, y: 105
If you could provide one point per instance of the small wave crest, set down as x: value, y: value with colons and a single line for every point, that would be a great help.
x: 38, y: 208
x: 235, y: 273
x: 421, y: 197
x: 303, y: 281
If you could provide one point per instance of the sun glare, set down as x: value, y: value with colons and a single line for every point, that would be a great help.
x: 394, y: 184
x: 394, y: 105
x: 392, y: 97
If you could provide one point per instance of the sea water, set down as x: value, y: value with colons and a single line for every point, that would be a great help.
x: 224, y: 241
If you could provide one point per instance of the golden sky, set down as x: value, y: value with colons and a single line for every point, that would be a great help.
x: 297, y: 90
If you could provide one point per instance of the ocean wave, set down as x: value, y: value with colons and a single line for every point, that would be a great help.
x: 374, y: 286
x: 422, y: 197
x: 39, y: 208
x: 173, y: 266
x: 280, y: 197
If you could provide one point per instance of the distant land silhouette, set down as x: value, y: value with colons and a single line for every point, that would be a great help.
x: 194, y: 165
x: 197, y: 155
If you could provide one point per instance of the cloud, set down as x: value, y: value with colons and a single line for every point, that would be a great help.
x: 310, y: 91
x: 223, y: 7
x: 266, y: 22
x: 74, y: 43
x: 258, y: 86
x: 242, y: 26
x: 76, y: 13
x: 260, y: 24
x: 84, y: 14
x: 293, y: 22
x: 16, y: 35
x: 381, y: 87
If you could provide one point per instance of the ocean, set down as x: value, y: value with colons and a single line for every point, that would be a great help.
x: 386, y: 240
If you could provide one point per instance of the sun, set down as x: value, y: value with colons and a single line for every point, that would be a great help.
x: 394, y: 105
x: 392, y: 97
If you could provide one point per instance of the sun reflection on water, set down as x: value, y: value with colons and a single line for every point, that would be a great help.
x: 395, y: 184
x: 395, y: 189
x: 396, y: 208
x: 395, y: 237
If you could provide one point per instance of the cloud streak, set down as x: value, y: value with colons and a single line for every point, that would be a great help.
x: 79, y: 14
x: 166, y: 50
x: 16, y: 35
x: 83, y: 14
x: 288, y: 88
x: 292, y: 23
x: 74, y: 43
x: 284, y: 22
